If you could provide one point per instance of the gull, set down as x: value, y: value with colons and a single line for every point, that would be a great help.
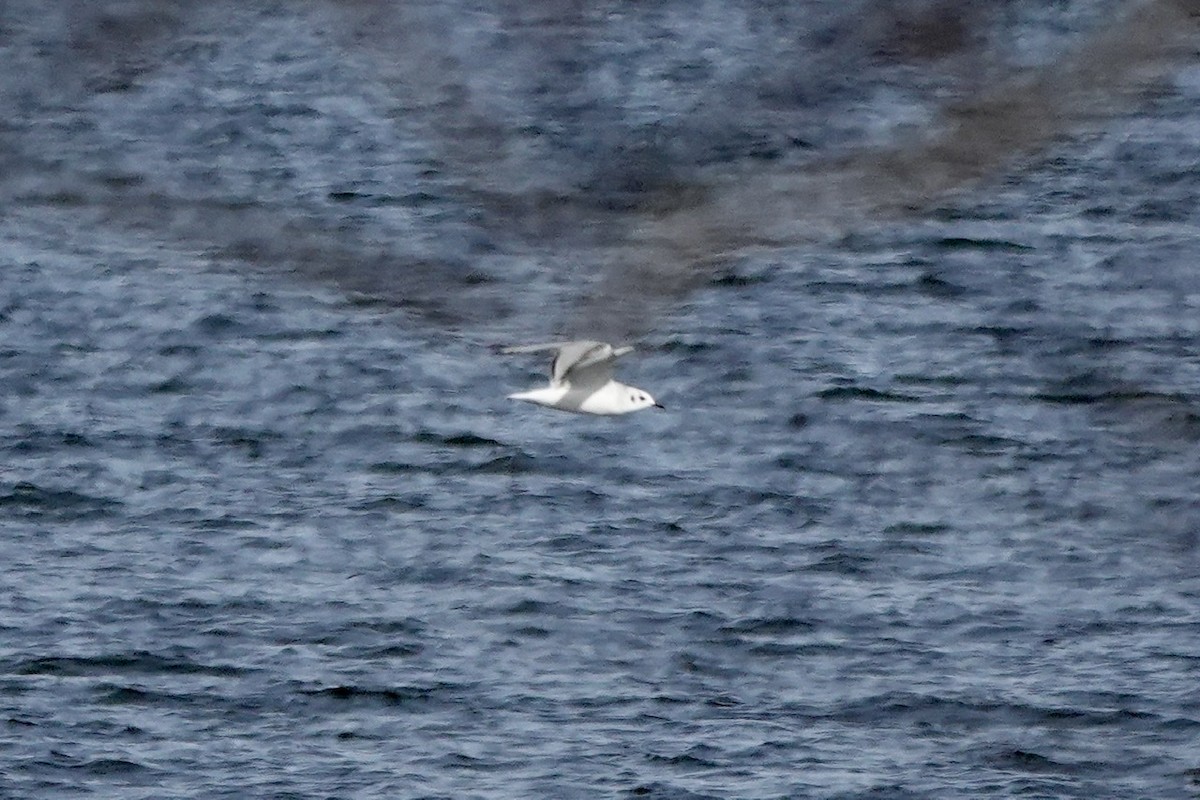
x: 581, y: 379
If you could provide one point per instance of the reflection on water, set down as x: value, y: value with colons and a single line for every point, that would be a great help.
x: 412, y: 151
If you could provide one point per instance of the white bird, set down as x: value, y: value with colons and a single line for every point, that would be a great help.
x: 581, y: 380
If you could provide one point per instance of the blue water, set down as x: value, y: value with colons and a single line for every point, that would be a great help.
x: 921, y: 518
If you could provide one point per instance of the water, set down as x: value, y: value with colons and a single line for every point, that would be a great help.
x: 921, y: 519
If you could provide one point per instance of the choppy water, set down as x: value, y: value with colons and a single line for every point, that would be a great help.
x: 921, y: 520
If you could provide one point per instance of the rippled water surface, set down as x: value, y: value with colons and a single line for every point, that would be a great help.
x: 921, y: 519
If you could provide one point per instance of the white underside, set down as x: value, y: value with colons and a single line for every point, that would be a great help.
x: 610, y: 398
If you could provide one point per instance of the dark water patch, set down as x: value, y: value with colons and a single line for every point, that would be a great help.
x: 216, y: 325
x: 841, y: 561
x: 829, y: 288
x: 894, y: 707
x: 767, y: 626
x: 477, y: 277
x: 111, y: 767
x: 1162, y: 211
x: 390, y: 627
x: 847, y: 564
x: 1161, y: 418
x: 137, y: 663
x: 657, y: 790
x: 984, y: 445
x: 60, y: 504
x: 865, y: 393
x: 529, y: 632
x: 405, y: 696
x: 397, y: 637
x: 459, y: 760
x: 748, y: 497
x: 350, y: 736
x: 510, y: 462
x: 264, y: 302
x: 736, y: 280
x: 251, y: 442
x: 62, y: 198
x: 934, y: 379
x: 393, y: 504
x: 178, y: 440
x: 1102, y: 344
x: 139, y: 696
x: 704, y: 660
x: 1030, y: 762
x: 966, y: 434
x: 180, y: 350
x: 80, y: 773
x: 779, y: 650
x: 95, y: 767
x: 1125, y: 718
x: 528, y: 606
x: 31, y: 439
x: 518, y: 464
x: 702, y: 624
x: 578, y: 543
x: 697, y: 757
x: 204, y: 605
x: 1004, y: 335
x: 959, y: 243
x: 992, y: 628
x: 199, y: 520
x: 963, y: 714
x: 121, y: 180
x: 402, y: 468
x: 1073, y: 629
x: 684, y: 347
x: 301, y: 335
x: 465, y: 440
x: 261, y: 543
x: 416, y: 199
x: 1083, y: 393
x: 918, y: 529
x: 724, y: 700
x: 793, y: 462
x: 175, y: 385
x: 368, y: 199
x: 932, y: 285
x: 390, y: 651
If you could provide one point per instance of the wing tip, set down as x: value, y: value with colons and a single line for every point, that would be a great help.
x: 514, y: 349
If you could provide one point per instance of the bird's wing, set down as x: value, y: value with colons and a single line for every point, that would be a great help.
x: 582, y: 363
x: 513, y: 349
x: 587, y: 363
x: 558, y: 347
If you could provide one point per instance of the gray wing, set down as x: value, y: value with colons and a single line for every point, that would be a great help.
x: 513, y: 349
x: 582, y: 362
x: 586, y: 363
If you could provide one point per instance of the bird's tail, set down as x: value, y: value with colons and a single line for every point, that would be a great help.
x: 531, y: 396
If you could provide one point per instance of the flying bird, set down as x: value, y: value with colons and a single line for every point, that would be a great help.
x: 581, y: 380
